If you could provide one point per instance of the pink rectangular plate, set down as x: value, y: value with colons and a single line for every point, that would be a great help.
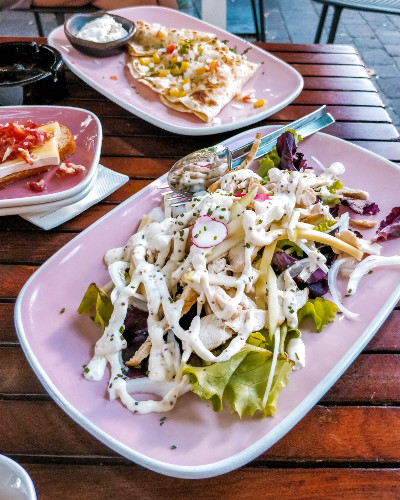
x: 275, y: 81
x: 207, y: 443
x: 87, y: 132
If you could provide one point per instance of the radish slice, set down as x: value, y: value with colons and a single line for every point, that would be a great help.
x: 336, y: 295
x: 367, y: 265
x: 208, y: 232
x: 259, y: 197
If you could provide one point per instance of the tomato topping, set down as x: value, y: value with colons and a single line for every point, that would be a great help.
x: 170, y: 49
x: 17, y: 139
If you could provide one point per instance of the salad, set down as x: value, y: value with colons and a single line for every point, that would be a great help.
x: 212, y: 299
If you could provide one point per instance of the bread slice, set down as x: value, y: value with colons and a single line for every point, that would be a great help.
x: 65, y: 144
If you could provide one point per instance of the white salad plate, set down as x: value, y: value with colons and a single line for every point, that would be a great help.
x: 194, y: 442
x: 275, y: 81
x: 87, y: 131
x: 15, y: 482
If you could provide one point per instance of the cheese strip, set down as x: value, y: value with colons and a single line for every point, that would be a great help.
x: 46, y: 154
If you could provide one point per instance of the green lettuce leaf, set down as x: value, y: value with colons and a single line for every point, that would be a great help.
x: 286, y: 335
x: 241, y: 381
x: 335, y: 186
x: 96, y: 296
x: 321, y: 310
x: 287, y: 244
x: 324, y: 226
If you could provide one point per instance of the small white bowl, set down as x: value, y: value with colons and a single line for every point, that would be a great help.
x: 15, y: 482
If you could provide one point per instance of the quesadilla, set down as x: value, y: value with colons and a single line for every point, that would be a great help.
x: 193, y: 72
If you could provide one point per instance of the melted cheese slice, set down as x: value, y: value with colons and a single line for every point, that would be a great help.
x: 46, y: 154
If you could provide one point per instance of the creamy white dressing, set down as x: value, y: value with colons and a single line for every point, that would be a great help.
x: 102, y: 29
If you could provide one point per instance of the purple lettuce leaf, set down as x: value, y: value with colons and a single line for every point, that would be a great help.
x: 282, y: 260
x: 286, y: 148
x: 361, y: 207
x: 318, y: 289
x: 389, y: 228
x: 135, y: 332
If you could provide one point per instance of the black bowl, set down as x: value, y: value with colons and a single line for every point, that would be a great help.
x: 97, y: 49
x: 30, y: 74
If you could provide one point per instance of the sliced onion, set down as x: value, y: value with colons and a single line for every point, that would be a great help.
x: 208, y: 232
x: 336, y: 295
x: 366, y: 265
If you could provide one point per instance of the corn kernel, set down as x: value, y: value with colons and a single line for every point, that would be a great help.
x: 213, y: 65
x: 163, y: 72
x: 175, y: 92
x: 259, y: 103
x: 144, y: 61
x: 186, y: 80
x: 175, y: 71
x: 156, y: 58
x: 200, y: 71
x: 184, y: 66
x: 174, y: 60
x: 182, y: 42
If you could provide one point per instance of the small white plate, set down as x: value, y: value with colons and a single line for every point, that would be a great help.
x: 15, y: 482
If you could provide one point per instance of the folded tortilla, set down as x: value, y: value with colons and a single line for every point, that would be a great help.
x: 193, y: 72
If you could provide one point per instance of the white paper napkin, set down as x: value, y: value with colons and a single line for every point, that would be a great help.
x: 106, y: 183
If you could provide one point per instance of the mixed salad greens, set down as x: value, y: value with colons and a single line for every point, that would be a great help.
x: 210, y: 300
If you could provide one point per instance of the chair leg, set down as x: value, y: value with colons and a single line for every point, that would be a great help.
x: 262, y: 19
x: 39, y: 24
x: 321, y: 24
x: 334, y: 25
x: 59, y: 18
x: 254, y: 9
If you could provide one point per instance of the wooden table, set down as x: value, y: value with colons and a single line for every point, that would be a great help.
x: 348, y: 444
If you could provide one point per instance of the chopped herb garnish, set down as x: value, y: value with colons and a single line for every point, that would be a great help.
x: 121, y: 330
x: 171, y: 300
x: 246, y: 245
x: 246, y: 50
x: 173, y: 447
x: 259, y: 221
x: 215, y: 237
x: 370, y: 271
x: 63, y: 309
x: 297, y: 356
x: 162, y: 420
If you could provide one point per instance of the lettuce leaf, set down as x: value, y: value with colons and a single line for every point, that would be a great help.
x: 324, y: 226
x: 321, y: 310
x: 104, y: 308
x: 335, y: 186
x: 241, y: 381
x: 287, y: 244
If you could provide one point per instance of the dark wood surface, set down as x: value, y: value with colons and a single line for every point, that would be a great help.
x: 347, y: 446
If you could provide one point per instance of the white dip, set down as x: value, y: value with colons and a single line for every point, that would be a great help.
x: 103, y: 29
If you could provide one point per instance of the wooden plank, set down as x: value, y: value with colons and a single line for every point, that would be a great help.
x: 13, y: 279
x: 372, y: 378
x: 319, y: 58
x: 29, y: 248
x: 329, y: 83
x: 107, y: 481
x: 307, y: 47
x: 321, y: 97
x: 331, y: 70
x: 340, y: 113
x: 364, y: 131
x: 49, y: 431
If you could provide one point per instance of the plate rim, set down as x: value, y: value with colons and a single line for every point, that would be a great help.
x: 258, y: 447
x: 67, y: 193
x: 180, y: 129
